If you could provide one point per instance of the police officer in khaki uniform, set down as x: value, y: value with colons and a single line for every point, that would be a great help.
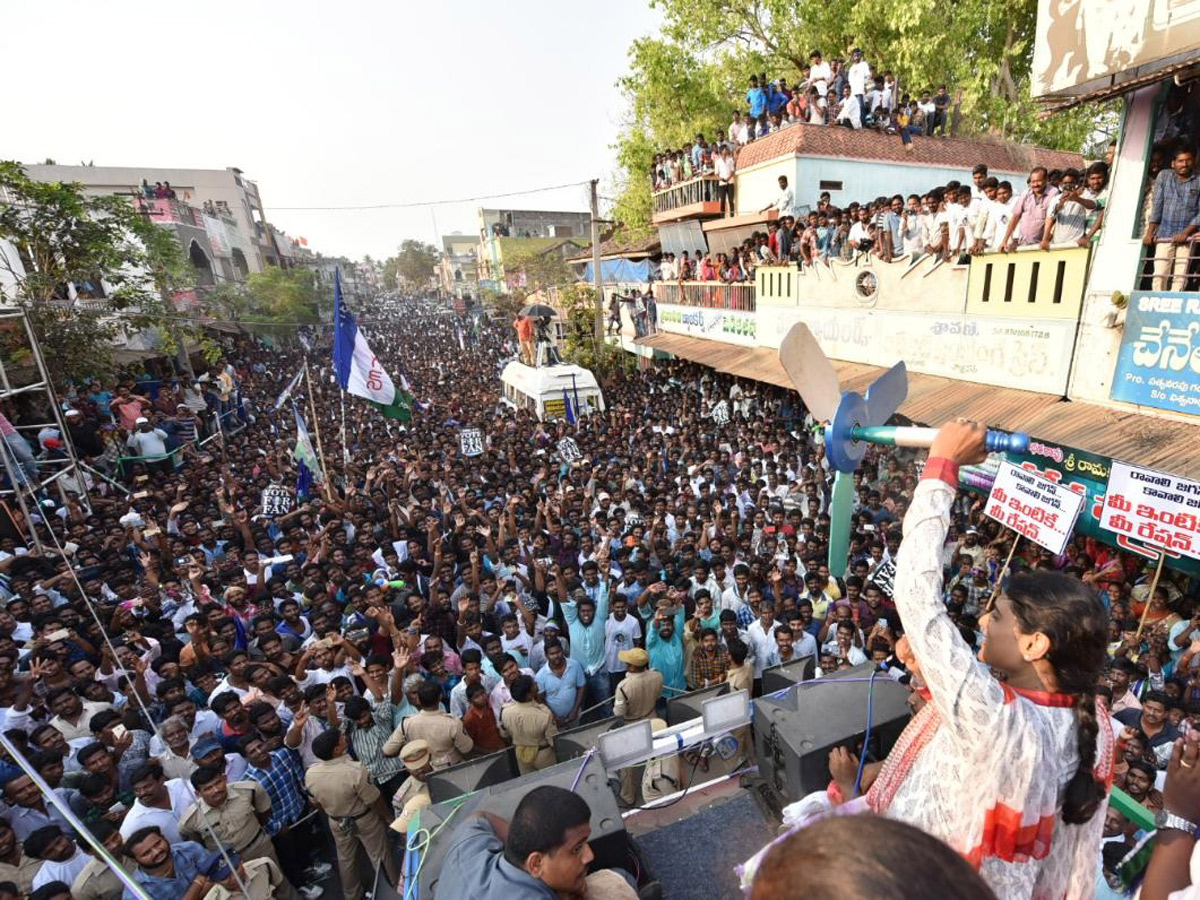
x: 357, y: 813
x: 413, y: 794
x: 639, y: 691
x: 445, y: 736
x: 530, y: 725
x: 662, y: 776
x: 237, y: 813
x: 96, y: 880
x: 636, y: 697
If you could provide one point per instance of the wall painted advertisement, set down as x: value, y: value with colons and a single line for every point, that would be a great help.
x: 1159, y: 361
x: 727, y: 326
x: 1027, y: 354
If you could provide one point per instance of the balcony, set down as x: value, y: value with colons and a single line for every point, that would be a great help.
x: 170, y: 212
x: 706, y: 295
x: 697, y: 197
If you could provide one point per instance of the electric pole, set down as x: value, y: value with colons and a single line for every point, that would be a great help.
x: 599, y: 324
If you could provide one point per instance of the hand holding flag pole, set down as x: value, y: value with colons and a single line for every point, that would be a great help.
x: 854, y: 421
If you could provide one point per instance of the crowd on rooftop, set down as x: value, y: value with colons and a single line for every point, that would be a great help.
x: 855, y: 96
x: 1057, y: 208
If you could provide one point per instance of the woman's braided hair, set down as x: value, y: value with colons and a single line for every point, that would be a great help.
x: 1072, y: 617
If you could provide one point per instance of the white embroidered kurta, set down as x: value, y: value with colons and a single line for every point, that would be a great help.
x: 990, y: 779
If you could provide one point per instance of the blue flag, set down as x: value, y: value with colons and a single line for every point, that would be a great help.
x: 569, y: 408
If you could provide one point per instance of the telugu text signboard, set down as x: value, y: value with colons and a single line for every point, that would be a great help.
x: 1159, y: 361
x: 1033, y: 506
x: 1160, y: 509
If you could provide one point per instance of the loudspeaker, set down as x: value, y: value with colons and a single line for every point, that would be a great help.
x: 574, y: 742
x: 609, y: 841
x: 794, y: 733
x: 784, y: 675
x: 472, y: 775
x: 684, y: 707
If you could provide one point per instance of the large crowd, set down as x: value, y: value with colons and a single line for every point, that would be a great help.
x: 1055, y: 208
x: 194, y: 673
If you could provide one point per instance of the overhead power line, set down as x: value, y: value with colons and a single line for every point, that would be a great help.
x: 421, y: 203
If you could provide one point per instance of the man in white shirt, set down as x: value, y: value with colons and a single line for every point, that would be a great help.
x: 738, y: 132
x: 785, y: 203
x: 998, y: 213
x: 819, y: 73
x: 761, y: 635
x: 62, y: 860
x: 850, y: 113
x: 159, y: 802
x: 724, y: 168
x: 150, y: 443
x: 858, y: 75
x: 621, y: 632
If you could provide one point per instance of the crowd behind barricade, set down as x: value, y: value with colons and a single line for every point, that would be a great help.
x: 855, y: 96
x: 1055, y: 208
x: 204, y: 673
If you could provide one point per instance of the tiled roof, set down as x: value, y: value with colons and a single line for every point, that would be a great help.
x: 952, y: 153
x: 648, y: 246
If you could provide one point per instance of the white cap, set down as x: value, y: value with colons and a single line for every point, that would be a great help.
x: 141, y: 420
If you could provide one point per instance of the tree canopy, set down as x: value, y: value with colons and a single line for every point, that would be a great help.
x: 102, y: 248
x: 691, y: 77
x: 412, y: 266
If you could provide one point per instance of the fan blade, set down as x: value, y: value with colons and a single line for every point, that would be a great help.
x: 811, y: 372
x: 886, y: 393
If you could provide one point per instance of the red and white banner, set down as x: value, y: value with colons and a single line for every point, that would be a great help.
x: 1160, y: 509
x: 1041, y: 510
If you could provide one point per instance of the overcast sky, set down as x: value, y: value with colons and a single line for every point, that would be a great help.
x: 330, y: 104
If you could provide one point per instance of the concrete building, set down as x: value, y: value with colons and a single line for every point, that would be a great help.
x: 218, y: 213
x: 511, y: 225
x: 458, y: 269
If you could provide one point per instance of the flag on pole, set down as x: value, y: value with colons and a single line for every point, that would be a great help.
x: 303, y: 452
x: 287, y: 391
x: 358, y: 370
x: 461, y: 343
x: 570, y: 411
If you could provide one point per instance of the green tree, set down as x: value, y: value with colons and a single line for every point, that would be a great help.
x: 542, y: 263
x: 98, y: 244
x: 691, y: 78
x: 412, y: 266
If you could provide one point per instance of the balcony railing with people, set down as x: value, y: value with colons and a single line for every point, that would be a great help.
x: 707, y: 294
x: 169, y: 211
x: 702, y: 189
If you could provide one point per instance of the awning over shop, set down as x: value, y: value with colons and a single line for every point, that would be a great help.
x: 1143, y: 440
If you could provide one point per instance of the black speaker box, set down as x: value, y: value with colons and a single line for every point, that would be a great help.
x: 794, y: 732
x: 574, y: 742
x: 784, y: 675
x: 609, y: 840
x: 472, y: 775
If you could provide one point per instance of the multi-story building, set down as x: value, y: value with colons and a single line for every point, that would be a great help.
x: 217, y: 213
x: 525, y: 231
x: 1092, y: 350
x: 458, y: 269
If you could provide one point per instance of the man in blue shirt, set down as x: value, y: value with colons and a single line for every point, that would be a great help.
x: 542, y: 853
x: 585, y: 622
x: 179, y: 872
x: 561, y: 683
x: 756, y: 97
x: 1173, y: 220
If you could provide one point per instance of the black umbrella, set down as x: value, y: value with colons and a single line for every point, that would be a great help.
x: 539, y: 311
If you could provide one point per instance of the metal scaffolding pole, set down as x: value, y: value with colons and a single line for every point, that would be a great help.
x: 33, y: 379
